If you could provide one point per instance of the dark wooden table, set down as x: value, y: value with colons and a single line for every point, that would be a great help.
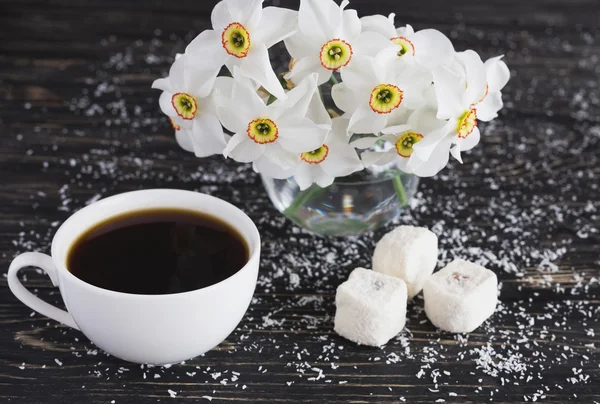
x: 78, y: 121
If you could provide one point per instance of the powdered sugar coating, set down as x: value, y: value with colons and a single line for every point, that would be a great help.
x: 461, y: 296
x: 409, y: 253
x: 370, y: 307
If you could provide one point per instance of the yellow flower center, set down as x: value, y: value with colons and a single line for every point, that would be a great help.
x: 406, y: 46
x: 316, y: 156
x: 335, y: 54
x: 385, y: 98
x: 404, y: 145
x: 466, y: 123
x: 236, y: 40
x: 174, y: 124
x: 263, y: 131
x: 185, y: 105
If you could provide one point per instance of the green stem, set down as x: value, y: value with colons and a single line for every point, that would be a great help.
x: 400, y: 192
x: 333, y: 79
x: 302, y: 198
x: 271, y: 99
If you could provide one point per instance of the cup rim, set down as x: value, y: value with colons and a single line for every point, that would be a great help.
x: 254, y: 243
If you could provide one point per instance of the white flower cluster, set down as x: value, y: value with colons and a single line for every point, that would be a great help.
x: 418, y: 98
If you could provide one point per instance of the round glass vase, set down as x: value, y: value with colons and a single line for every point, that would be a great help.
x: 352, y: 205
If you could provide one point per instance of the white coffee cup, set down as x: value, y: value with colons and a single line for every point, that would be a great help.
x: 151, y: 329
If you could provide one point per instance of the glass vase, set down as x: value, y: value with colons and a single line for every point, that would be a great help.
x: 352, y: 205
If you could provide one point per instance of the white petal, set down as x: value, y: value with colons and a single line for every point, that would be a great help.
x: 476, y: 76
x: 303, y: 176
x: 361, y: 74
x: 277, y: 163
x: 380, y: 24
x: 317, y: 112
x: 200, y: 83
x: 223, y: 87
x: 399, y: 116
x: 430, y: 97
x: 243, y: 149
x: 245, y: 12
x: 470, y: 141
x: 432, y: 48
x: 364, y: 120
x: 341, y: 162
x: 345, y: 98
x: 351, y: 25
x: 405, y: 31
x: 207, y: 136
x: 206, y: 52
x: 378, y: 158
x: 306, y: 66
x: 220, y: 16
x: 323, y: 179
x: 342, y: 158
x: 276, y: 25
x: 245, y: 100
x: 267, y: 167
x: 162, y: 84
x: 448, y: 92
x: 430, y: 141
x: 393, y: 130
x: 166, y: 105
x: 497, y: 73
x: 437, y: 160
x: 455, y: 152
x: 301, y: 135
x: 183, y: 123
x: 413, y: 82
x: 177, y: 74
x: 297, y: 100
x: 183, y: 137
x: 424, y: 120
x: 392, y: 138
x: 371, y: 43
x: 318, y: 19
x: 365, y: 142
x: 489, y: 107
x: 231, y: 119
x: 283, y: 158
x: 298, y: 47
x: 257, y: 66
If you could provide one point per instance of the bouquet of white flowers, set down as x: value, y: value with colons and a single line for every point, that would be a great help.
x: 408, y: 92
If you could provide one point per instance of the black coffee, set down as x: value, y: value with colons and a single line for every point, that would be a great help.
x: 157, y: 251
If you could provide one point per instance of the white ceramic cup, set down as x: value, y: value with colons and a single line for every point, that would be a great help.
x: 151, y: 329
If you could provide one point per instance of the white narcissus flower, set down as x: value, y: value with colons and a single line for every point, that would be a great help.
x: 457, y: 96
x: 497, y: 75
x: 428, y: 48
x: 400, y: 141
x: 323, y: 42
x: 187, y: 102
x: 278, y: 132
x: 334, y: 158
x: 242, y: 34
x: 375, y: 95
x: 282, y: 165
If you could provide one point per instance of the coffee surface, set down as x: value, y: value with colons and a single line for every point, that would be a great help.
x: 157, y: 251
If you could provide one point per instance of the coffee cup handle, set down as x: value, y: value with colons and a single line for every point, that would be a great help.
x: 44, y: 262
